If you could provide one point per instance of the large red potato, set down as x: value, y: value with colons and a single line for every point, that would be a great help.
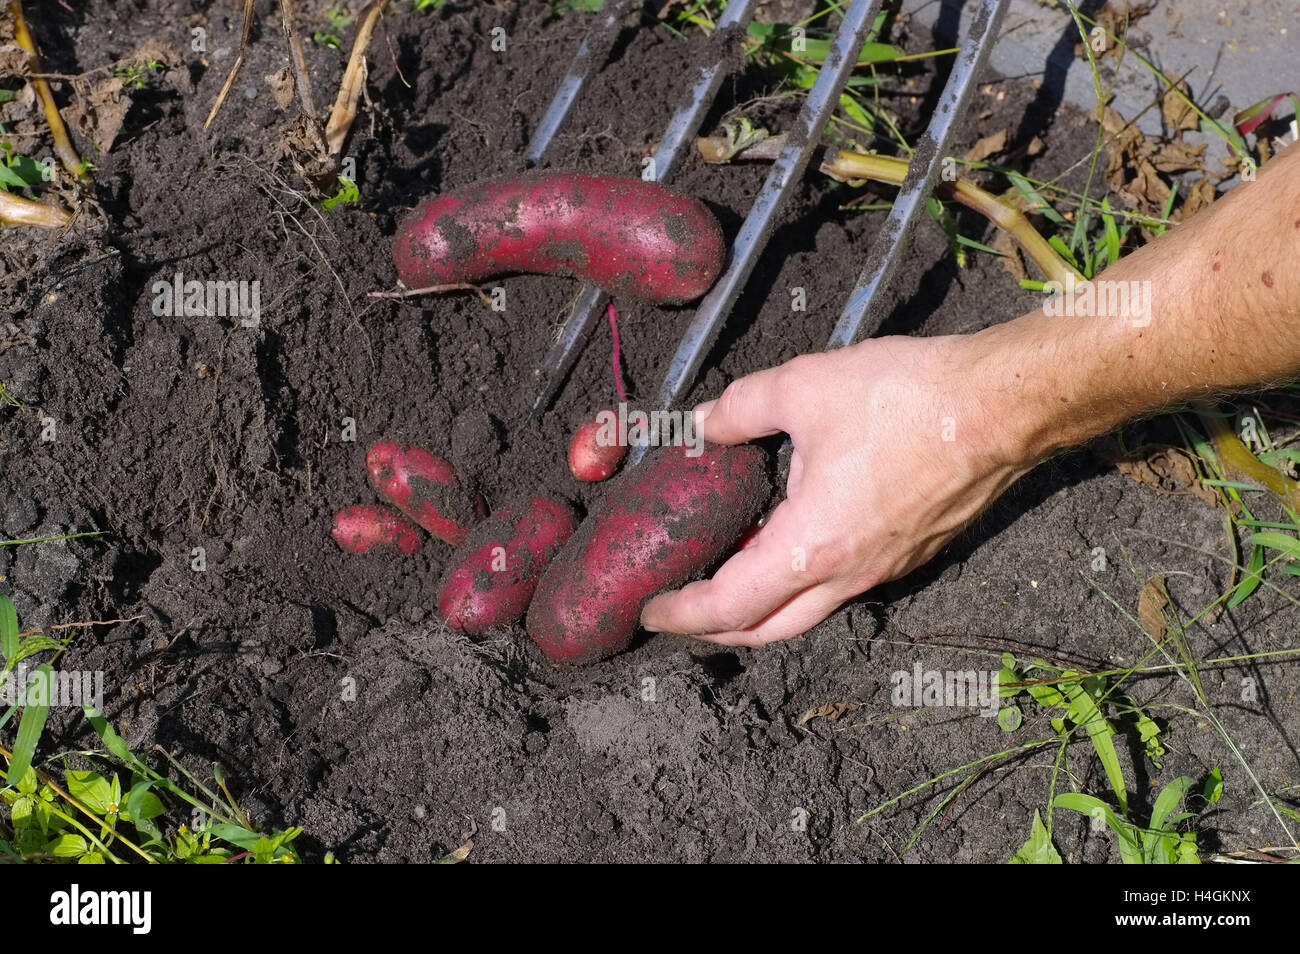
x: 657, y: 527
x: 493, y: 575
x: 628, y: 236
x: 424, y: 487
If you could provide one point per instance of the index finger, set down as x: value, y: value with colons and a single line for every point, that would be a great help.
x: 746, y: 589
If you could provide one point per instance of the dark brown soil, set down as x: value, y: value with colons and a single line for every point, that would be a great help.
x: 181, y: 433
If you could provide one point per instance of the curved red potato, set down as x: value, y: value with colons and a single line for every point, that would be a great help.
x: 628, y: 236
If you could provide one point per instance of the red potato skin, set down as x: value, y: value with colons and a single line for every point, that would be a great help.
x: 366, y: 527
x: 425, y: 488
x: 629, y: 237
x: 657, y: 527
x: 478, y: 592
x: 589, y: 459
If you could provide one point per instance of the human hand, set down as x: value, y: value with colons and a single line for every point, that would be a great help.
x: 898, y: 443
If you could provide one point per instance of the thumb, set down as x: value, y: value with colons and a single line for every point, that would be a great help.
x: 748, y: 408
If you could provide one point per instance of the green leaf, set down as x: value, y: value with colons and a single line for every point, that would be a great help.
x: 1213, y: 790
x: 1166, y: 802
x: 1251, y: 581
x: 1009, y: 718
x: 33, y: 721
x: 110, y: 738
x: 8, y: 627
x: 67, y: 846
x: 1005, y: 679
x: 1111, y: 232
x: 1084, y: 712
x: 856, y: 112
x: 234, y: 834
x: 1038, y: 850
x: 92, y: 790
x: 142, y: 804
x: 1041, y: 205
x: 1130, y: 850
x: 1046, y: 695
x: 1276, y: 541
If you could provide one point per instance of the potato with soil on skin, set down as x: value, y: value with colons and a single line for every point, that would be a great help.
x: 426, y: 488
x: 628, y: 236
x: 367, y: 527
x: 592, y: 456
x: 493, y: 575
x: 657, y: 527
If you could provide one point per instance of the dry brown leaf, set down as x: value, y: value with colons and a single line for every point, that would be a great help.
x: 1151, y: 608
x: 1010, y: 260
x: 831, y: 711
x: 282, y: 89
x: 1169, y: 470
x: 98, y: 110
x: 1178, y: 112
x: 1146, y: 189
x: 1200, y: 196
x: 1178, y: 156
x: 459, y: 855
x: 988, y: 146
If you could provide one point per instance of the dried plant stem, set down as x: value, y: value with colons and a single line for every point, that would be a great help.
x: 434, y: 290
x: 843, y: 164
x: 301, y: 79
x: 234, y: 69
x: 345, y: 104
x: 63, y: 147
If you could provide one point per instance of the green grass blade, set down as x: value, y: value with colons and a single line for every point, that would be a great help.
x: 1166, y: 802
x: 1084, y: 712
x: 8, y: 627
x: 32, y: 724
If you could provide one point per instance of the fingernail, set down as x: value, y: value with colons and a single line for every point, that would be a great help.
x: 702, y: 411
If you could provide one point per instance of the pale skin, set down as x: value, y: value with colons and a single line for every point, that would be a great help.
x: 875, y: 490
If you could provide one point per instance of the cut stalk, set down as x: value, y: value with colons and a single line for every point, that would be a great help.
x: 1236, y: 458
x: 63, y: 147
x: 843, y: 164
x: 345, y: 104
x: 15, y: 210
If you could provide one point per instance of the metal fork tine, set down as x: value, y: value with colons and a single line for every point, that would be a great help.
x: 595, y: 45
x: 681, y: 129
x: 802, y: 139
x: 858, y: 316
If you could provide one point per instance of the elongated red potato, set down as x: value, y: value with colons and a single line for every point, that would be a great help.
x: 593, y: 456
x: 365, y: 527
x: 657, y: 527
x: 628, y: 236
x: 491, y: 581
x: 424, y: 487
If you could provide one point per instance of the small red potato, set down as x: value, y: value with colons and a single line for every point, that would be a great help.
x: 491, y: 581
x: 365, y: 527
x: 594, y: 454
x: 657, y: 527
x: 425, y: 488
x: 628, y: 236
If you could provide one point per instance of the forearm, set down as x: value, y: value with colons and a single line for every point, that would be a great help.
x: 1223, y: 312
